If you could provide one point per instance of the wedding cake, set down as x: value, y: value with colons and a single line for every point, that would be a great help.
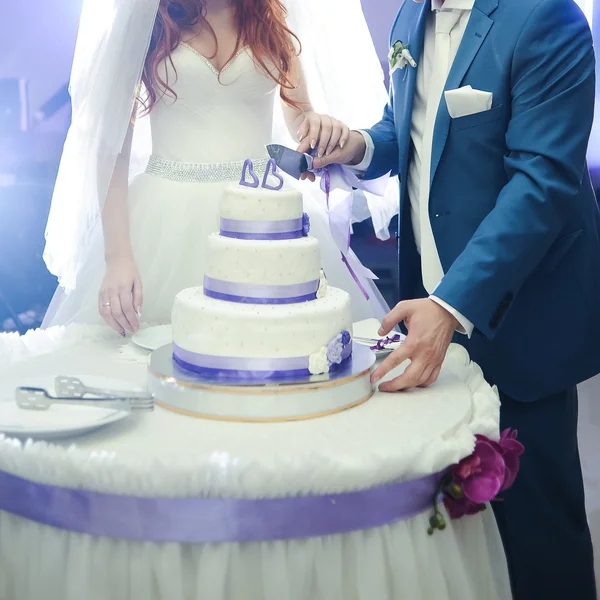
x: 265, y: 309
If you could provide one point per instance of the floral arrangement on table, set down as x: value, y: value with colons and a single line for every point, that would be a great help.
x: 477, y: 479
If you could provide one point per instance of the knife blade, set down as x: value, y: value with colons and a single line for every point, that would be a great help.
x: 290, y: 161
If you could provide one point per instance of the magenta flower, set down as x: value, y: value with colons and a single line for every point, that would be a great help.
x: 511, y: 450
x: 459, y: 508
x: 480, y: 477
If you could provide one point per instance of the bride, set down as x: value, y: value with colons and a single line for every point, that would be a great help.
x: 169, y: 98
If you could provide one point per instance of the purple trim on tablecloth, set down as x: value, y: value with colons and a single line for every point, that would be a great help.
x: 249, y: 293
x: 214, y: 520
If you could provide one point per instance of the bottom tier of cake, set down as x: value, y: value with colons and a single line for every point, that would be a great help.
x: 236, y: 339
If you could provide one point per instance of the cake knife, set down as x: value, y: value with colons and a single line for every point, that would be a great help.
x: 290, y: 161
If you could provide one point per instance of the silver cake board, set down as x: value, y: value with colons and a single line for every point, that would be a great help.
x: 255, y: 400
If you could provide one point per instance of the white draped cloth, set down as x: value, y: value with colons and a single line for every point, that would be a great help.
x: 163, y: 454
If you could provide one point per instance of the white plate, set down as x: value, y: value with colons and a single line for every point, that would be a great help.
x: 153, y: 338
x: 59, y: 421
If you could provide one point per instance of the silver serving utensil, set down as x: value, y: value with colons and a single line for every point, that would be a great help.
x: 31, y: 398
x: 72, y: 387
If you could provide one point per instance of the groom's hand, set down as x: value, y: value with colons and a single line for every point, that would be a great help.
x: 350, y: 152
x: 430, y: 330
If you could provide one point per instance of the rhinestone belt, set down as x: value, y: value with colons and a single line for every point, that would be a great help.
x: 200, y: 172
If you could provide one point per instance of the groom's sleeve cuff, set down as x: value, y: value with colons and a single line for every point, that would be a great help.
x: 466, y: 327
x: 362, y: 167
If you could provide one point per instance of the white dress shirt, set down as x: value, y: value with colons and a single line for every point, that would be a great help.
x: 443, y: 35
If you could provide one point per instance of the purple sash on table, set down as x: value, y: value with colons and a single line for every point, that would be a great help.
x: 214, y: 520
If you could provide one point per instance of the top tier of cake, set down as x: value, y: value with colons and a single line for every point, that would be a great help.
x: 262, y: 253
x: 241, y: 203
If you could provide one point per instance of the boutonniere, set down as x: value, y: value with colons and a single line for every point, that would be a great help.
x: 400, y: 56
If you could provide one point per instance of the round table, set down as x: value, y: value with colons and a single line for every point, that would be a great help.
x: 396, y: 437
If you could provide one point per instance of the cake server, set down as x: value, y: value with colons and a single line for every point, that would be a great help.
x: 31, y: 398
x: 290, y: 161
x: 72, y: 387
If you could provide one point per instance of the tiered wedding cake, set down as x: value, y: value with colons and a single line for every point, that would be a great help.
x: 265, y: 309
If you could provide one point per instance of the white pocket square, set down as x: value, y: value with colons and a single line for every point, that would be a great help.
x: 467, y: 101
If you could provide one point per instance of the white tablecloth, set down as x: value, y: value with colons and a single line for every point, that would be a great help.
x: 391, y: 437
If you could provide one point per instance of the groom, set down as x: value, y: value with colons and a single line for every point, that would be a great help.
x: 499, y: 240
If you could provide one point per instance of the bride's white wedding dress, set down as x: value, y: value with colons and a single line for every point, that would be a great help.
x: 199, y: 143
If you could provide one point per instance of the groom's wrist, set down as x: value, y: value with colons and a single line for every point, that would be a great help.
x: 364, y: 151
x: 464, y: 325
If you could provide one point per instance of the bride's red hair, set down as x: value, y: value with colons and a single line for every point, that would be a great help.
x: 261, y: 27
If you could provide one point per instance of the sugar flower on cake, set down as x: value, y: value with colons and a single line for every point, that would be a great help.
x: 335, y: 350
x: 305, y: 224
x: 346, y: 338
x: 323, y: 286
x: 332, y: 354
x: 318, y: 363
x: 336, y: 347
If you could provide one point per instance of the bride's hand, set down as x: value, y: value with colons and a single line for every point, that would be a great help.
x: 322, y: 132
x: 120, y: 297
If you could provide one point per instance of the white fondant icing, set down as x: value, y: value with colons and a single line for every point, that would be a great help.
x: 263, y: 262
x: 258, y: 204
x: 208, y: 326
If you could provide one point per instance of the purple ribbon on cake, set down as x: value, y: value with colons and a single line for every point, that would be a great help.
x: 250, y: 293
x: 215, y: 520
x: 335, y: 178
x: 285, y: 229
x: 246, y: 367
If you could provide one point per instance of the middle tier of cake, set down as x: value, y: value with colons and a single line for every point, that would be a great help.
x: 262, y: 263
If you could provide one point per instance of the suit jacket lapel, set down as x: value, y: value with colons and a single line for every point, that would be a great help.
x: 477, y: 29
x: 409, y: 29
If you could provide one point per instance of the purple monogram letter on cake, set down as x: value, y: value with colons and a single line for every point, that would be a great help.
x: 249, y: 170
x: 272, y: 170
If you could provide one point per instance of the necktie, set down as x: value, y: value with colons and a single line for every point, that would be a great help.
x: 445, y: 21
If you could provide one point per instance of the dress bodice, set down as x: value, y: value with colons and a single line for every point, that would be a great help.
x: 216, y: 117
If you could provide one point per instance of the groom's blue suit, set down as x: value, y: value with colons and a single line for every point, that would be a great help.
x: 512, y: 208
x: 517, y: 229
